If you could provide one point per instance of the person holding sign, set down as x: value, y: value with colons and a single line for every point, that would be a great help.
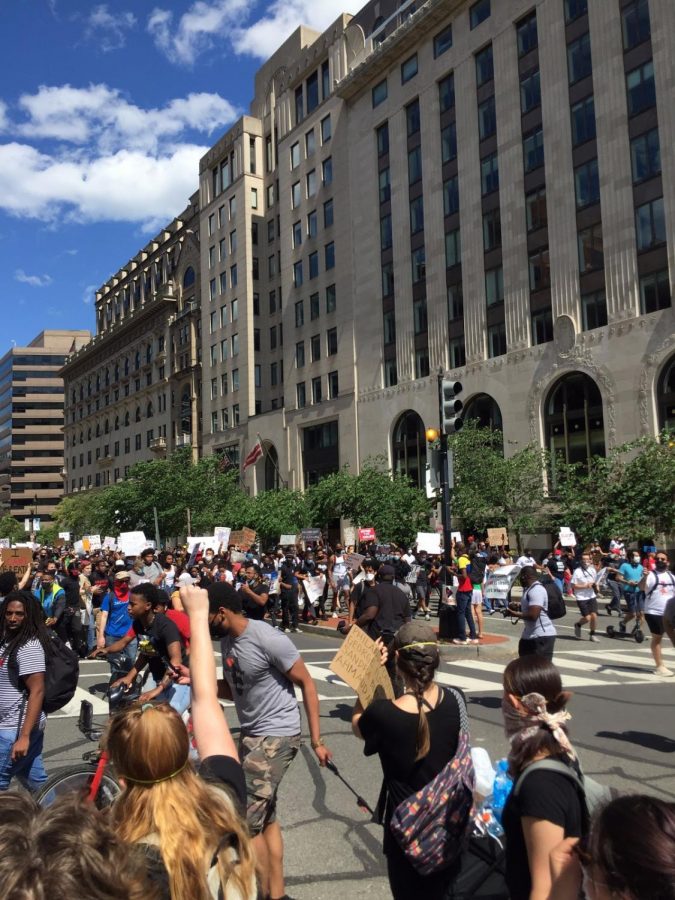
x: 415, y: 737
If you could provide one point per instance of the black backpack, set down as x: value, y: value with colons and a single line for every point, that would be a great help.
x: 61, y: 675
x: 556, y: 602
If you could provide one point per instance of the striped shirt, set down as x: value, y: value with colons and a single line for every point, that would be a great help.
x: 30, y: 658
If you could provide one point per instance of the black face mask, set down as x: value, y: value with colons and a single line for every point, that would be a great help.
x: 661, y: 565
x: 217, y: 630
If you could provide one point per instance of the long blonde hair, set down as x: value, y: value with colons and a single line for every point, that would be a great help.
x: 149, y: 748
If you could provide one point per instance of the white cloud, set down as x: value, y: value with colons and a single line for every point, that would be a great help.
x: 88, y: 294
x: 108, y: 29
x: 3, y: 116
x: 197, y: 29
x: 32, y: 280
x: 262, y: 37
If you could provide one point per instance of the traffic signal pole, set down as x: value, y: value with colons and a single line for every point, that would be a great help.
x: 446, y: 467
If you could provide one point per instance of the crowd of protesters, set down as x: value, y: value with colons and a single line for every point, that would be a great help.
x: 161, y: 612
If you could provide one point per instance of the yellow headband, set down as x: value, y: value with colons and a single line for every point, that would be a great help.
x: 155, y: 780
x: 419, y: 644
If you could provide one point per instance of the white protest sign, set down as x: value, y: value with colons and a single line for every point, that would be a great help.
x: 94, y: 541
x: 456, y: 536
x: 353, y: 560
x: 132, y: 543
x: 78, y: 546
x: 109, y: 543
x: 314, y: 586
x: 195, y: 543
x: 567, y: 538
x: 288, y: 540
x: 4, y: 543
x: 221, y: 536
x: 428, y: 542
x: 358, y: 578
x: 64, y: 535
x: 498, y: 583
x: 349, y: 534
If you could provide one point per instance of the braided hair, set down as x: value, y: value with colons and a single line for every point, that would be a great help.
x: 418, y: 663
x: 32, y: 628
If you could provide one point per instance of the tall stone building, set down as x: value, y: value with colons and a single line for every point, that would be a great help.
x: 31, y: 424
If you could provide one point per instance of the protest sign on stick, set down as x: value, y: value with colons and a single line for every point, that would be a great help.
x: 16, y: 560
x: 497, y: 537
x: 357, y: 663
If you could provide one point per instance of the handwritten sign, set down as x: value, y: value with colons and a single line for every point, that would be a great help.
x: 64, y: 535
x: 132, y: 543
x: 109, y: 543
x: 567, y: 538
x: 314, y: 586
x: 16, y: 560
x: 499, y: 582
x: 311, y: 534
x: 366, y: 534
x: 349, y: 535
x: 497, y: 537
x: 357, y: 663
x: 221, y: 537
x: 243, y: 538
x: 353, y: 560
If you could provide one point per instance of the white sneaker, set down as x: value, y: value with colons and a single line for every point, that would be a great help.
x: 335, y: 615
x: 663, y: 670
x: 427, y: 617
x: 577, y: 631
x: 596, y: 640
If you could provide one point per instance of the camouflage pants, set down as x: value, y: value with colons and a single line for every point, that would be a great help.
x: 265, y: 760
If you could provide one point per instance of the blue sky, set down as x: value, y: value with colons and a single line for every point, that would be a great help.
x: 105, y: 110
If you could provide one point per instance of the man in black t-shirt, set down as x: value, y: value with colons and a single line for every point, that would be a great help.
x: 386, y: 607
x: 255, y: 592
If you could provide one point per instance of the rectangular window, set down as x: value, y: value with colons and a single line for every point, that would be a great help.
x: 315, y: 347
x: 641, y: 89
x: 299, y: 314
x: 137, y: 441
x: 311, y: 183
x: 254, y: 199
x: 385, y: 232
x: 635, y: 21
x: 574, y: 9
x: 492, y: 230
x: 214, y: 354
x: 591, y: 255
x: 274, y: 374
x: 414, y: 165
x: 235, y: 345
x: 390, y: 373
x: 487, y: 118
x: 540, y: 270
x: 533, y: 150
x: 300, y: 355
x: 213, y: 324
x: 214, y: 422
x: 329, y: 256
x: 453, y: 248
x: 494, y: 286
x: 325, y: 79
x: 457, y: 353
x: 418, y: 261
x: 449, y: 142
x: 327, y: 171
x: 270, y: 195
x: 256, y: 339
x: 650, y: 224
x: 272, y: 300
x: 224, y: 349
x: 222, y: 249
x: 310, y: 143
x: 446, y: 92
x: 221, y: 216
x: 272, y: 265
x: 542, y: 327
x: 235, y: 379
x: 257, y: 375
x: 299, y: 105
x: 223, y: 281
x: 235, y: 310
x: 409, y: 69
x: 235, y: 407
x: 297, y: 234
x: 313, y: 265
x: 326, y: 132
x: 331, y: 342
x: 317, y: 395
x: 655, y: 292
x: 645, y: 154
x: 314, y: 307
x: 333, y: 385
x: 295, y: 195
x: 389, y: 328
x: 496, y: 335
x: 328, y: 214
x: 312, y: 92
x: 270, y: 231
x: 583, y: 121
x: 450, y: 196
x: 420, y: 316
x: 382, y: 134
x: 417, y: 215
x: 587, y: 184
x: 422, y: 363
x: 300, y: 395
x: 388, y: 280
x: 530, y: 92
x: 212, y: 223
x: 526, y: 32
x: 331, y: 298
x: 379, y: 93
x: 442, y: 41
x: 297, y: 273
x: 233, y: 276
x: 455, y: 302
x: 535, y: 209
x: 489, y: 174
x: 212, y: 289
x: 593, y: 310
x: 223, y: 384
x: 233, y: 207
x: 579, y: 63
x: 479, y: 12
x: 385, y: 185
x: 312, y: 226
x: 412, y: 117
x: 484, y: 66
x: 295, y: 155
x: 225, y: 419
x: 212, y: 257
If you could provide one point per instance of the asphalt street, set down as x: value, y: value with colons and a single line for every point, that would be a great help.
x: 622, y: 726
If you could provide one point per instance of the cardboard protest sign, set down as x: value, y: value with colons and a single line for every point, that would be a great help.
x: 497, y: 537
x: 288, y: 540
x: 17, y: 560
x: 314, y: 586
x: 58, y: 543
x: 353, y: 560
x: 567, y: 538
x: 237, y: 557
x: 249, y: 536
x: 311, y: 534
x: 428, y: 542
x: 349, y: 535
x: 366, y: 534
x: 221, y: 537
x: 357, y: 663
x: 499, y: 582
x: 132, y: 543
x: 243, y: 538
x: 64, y: 535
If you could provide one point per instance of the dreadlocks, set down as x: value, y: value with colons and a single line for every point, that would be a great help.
x: 32, y: 628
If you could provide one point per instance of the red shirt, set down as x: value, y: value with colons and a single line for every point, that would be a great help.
x: 182, y: 623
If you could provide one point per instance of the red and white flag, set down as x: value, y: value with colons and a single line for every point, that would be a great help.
x: 253, y: 455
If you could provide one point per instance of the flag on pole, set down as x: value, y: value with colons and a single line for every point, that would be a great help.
x: 253, y: 455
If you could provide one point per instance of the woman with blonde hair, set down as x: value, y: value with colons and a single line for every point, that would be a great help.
x: 192, y: 826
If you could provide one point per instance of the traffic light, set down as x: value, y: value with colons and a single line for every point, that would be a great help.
x: 451, y: 406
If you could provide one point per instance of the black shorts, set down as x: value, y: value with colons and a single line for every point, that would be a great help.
x: 538, y: 646
x: 586, y: 607
x: 654, y: 623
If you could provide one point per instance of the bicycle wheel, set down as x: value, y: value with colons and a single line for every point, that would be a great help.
x: 78, y: 778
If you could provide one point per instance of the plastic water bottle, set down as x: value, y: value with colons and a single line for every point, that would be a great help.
x: 490, y: 822
x: 501, y: 788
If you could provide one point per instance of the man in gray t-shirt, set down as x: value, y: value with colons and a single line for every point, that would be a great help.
x: 539, y: 632
x: 261, y: 666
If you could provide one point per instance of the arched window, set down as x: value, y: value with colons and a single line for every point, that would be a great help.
x: 106, y: 427
x: 117, y: 423
x: 186, y: 412
x: 138, y: 414
x: 483, y: 409
x: 89, y: 387
x: 126, y: 419
x: 126, y: 365
x: 189, y: 277
x: 378, y: 38
x: 410, y: 448
x: 271, y: 468
x: 98, y: 429
x: 149, y: 412
x: 573, y: 420
x: 117, y: 371
x: 107, y: 377
x: 137, y: 360
x: 148, y: 354
x: 98, y: 382
x: 82, y: 437
x: 88, y: 434
x: 665, y: 396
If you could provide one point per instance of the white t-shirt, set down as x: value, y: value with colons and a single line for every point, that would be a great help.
x: 660, y: 588
x: 525, y: 561
x: 583, y: 576
x: 409, y: 558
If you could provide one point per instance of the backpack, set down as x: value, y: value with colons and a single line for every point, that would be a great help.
x: 556, y: 603
x: 593, y: 794
x: 61, y: 675
x: 658, y: 583
x: 477, y: 570
x: 433, y: 826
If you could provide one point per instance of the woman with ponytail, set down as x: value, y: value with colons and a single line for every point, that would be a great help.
x: 547, y: 806
x: 415, y: 737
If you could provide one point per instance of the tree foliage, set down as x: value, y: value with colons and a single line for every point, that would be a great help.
x: 12, y: 529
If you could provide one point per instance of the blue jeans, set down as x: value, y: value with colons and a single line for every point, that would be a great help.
x: 123, y: 661
x: 29, y: 769
x: 176, y: 695
x: 464, y: 615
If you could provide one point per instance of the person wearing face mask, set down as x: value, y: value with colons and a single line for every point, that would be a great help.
x: 631, y: 571
x: 358, y: 598
x: 115, y: 621
x: 288, y: 585
x: 583, y: 585
x: 255, y: 593
x: 51, y: 598
x: 261, y: 666
x: 659, y: 588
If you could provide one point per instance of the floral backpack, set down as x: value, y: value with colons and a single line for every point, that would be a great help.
x: 433, y: 825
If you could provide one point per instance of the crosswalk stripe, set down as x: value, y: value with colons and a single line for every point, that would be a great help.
x: 72, y: 709
x: 498, y: 668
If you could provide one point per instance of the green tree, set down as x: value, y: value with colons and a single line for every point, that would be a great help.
x: 10, y: 528
x: 273, y: 513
